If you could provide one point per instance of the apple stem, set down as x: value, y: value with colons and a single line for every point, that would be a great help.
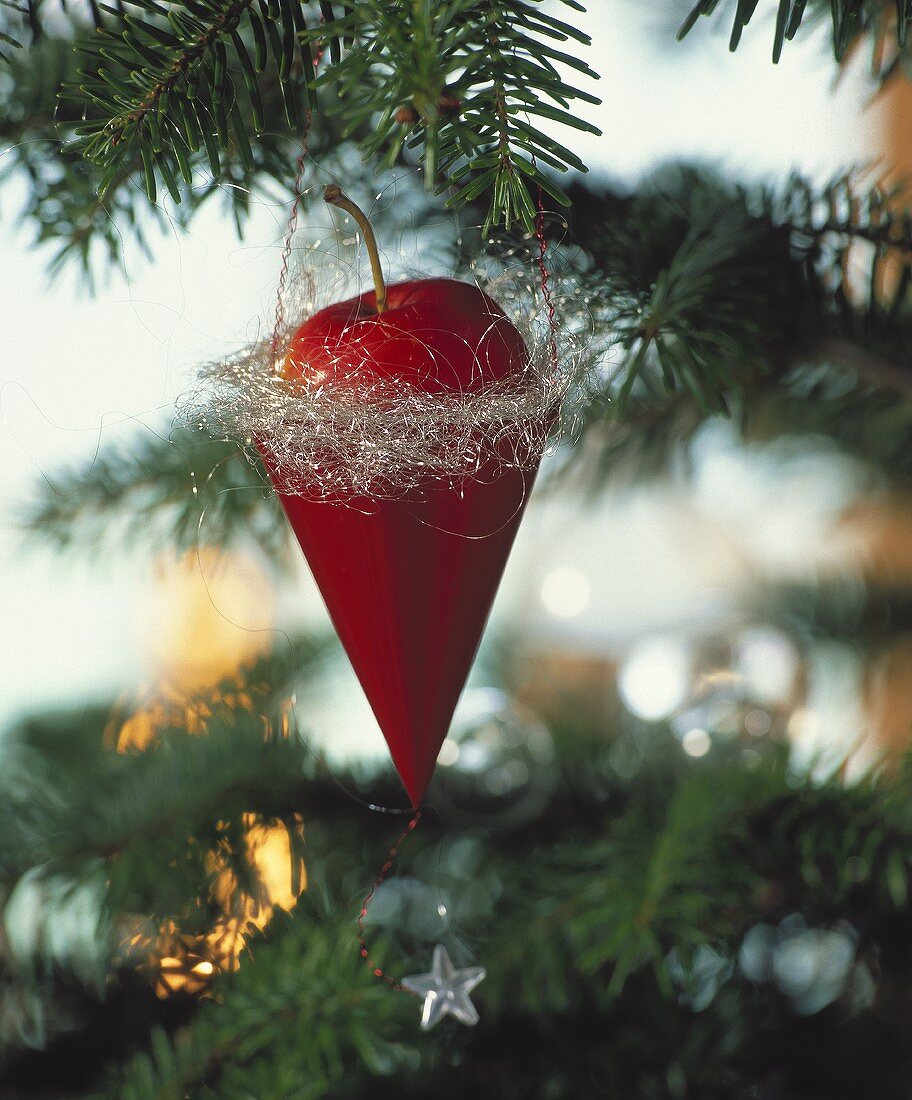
x: 335, y: 196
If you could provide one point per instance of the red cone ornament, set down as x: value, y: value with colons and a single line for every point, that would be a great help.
x: 409, y: 581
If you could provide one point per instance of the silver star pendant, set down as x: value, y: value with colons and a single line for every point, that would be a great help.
x: 445, y: 990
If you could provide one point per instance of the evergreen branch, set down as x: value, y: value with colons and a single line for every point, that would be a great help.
x: 166, y: 491
x: 842, y: 213
x: 667, y: 898
x: 713, y: 299
x: 310, y: 994
x: 160, y: 836
x: 167, y: 82
x: 616, y: 899
x: 63, y: 204
x: 65, y: 207
x: 187, y: 57
x: 233, y: 722
x: 25, y: 23
x: 683, y: 867
x: 142, y: 811
x: 465, y: 79
x: 700, y: 294
x: 868, y: 615
x: 861, y: 406
x: 849, y: 20
x: 462, y: 81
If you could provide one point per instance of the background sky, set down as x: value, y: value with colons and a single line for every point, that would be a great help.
x: 78, y: 372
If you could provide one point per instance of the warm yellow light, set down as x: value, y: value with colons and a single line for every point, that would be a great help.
x: 269, y: 850
x: 280, y: 877
x: 208, y: 613
x: 186, y: 964
x: 210, y: 619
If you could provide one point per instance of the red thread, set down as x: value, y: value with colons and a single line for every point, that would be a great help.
x: 542, y: 264
x: 387, y: 866
x: 545, y: 273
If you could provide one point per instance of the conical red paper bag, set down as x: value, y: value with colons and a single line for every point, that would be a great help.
x: 409, y: 584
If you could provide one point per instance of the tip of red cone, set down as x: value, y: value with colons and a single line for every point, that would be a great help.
x: 416, y: 782
x: 415, y: 791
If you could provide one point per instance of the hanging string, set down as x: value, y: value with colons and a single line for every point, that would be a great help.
x: 296, y: 194
x: 378, y: 971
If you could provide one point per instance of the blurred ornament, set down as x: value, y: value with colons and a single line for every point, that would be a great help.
x: 712, y: 688
x: 142, y: 716
x: 698, y: 978
x: 767, y: 661
x: 405, y: 906
x: 185, y: 966
x: 445, y: 990
x: 497, y: 766
x: 813, y: 967
x: 656, y: 678
x: 207, y: 619
x: 721, y: 714
x: 572, y: 689
x: 565, y: 592
x: 696, y: 742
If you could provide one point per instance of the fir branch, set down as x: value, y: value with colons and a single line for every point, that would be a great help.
x: 162, y: 491
x: 217, y: 757
x: 614, y: 896
x: 25, y: 23
x: 724, y: 849
x: 65, y: 208
x: 62, y: 205
x: 308, y: 993
x: 145, y: 808
x: 189, y: 56
x: 808, y: 348
x: 869, y: 615
x: 667, y: 898
x: 166, y: 83
x: 700, y: 294
x: 463, y: 82
x: 849, y: 21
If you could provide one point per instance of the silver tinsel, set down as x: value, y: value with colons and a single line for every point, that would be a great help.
x: 355, y: 437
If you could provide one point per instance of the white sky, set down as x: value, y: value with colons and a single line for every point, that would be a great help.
x: 78, y: 371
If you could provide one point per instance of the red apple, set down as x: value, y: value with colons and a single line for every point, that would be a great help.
x: 439, y: 335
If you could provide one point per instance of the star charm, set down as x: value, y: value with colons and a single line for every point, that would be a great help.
x: 445, y: 990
